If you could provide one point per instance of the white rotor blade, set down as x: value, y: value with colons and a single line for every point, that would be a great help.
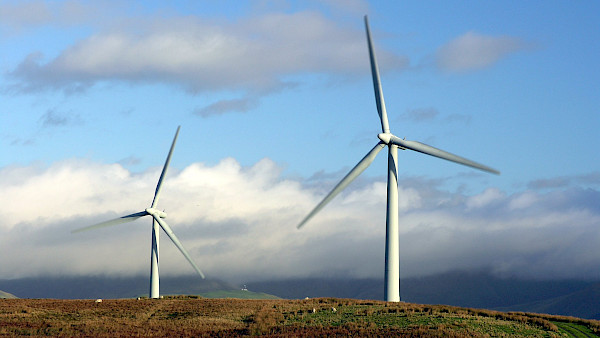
x: 164, y: 171
x: 357, y: 170
x: 177, y: 243
x: 120, y: 220
x: 429, y: 150
x: 376, y: 82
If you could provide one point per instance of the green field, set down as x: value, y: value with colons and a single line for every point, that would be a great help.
x: 575, y: 330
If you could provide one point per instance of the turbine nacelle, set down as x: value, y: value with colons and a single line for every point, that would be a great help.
x: 156, y: 212
x: 385, y: 137
x: 389, y: 138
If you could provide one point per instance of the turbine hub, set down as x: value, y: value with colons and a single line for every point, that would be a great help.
x: 156, y: 212
x: 385, y: 137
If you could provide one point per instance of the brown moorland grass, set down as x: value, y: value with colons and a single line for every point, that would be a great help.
x: 193, y: 316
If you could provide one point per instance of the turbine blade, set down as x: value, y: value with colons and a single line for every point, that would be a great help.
x: 164, y: 171
x: 385, y: 127
x: 357, y: 170
x: 177, y: 243
x: 429, y: 150
x: 120, y: 220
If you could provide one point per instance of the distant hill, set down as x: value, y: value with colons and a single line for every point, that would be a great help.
x: 108, y: 287
x: 582, y: 303
x: 482, y: 289
x: 6, y: 295
x: 239, y: 294
x: 320, y: 287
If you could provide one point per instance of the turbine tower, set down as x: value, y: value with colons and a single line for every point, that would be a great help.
x: 386, y: 138
x: 157, y: 221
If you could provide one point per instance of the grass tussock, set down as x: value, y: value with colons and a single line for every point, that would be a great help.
x: 194, y: 316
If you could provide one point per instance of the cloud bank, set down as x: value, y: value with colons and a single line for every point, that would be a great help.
x: 254, y: 55
x: 238, y: 223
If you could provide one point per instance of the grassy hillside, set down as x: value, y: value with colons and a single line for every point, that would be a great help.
x: 192, y: 316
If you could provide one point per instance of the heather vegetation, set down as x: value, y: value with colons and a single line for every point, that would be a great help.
x: 195, y: 316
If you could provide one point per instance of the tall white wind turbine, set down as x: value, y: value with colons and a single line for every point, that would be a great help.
x: 392, y: 251
x: 157, y: 220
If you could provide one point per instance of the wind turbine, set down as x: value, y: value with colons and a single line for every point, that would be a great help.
x: 386, y: 138
x: 157, y: 220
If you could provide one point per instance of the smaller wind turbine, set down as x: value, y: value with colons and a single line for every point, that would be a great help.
x: 386, y: 138
x: 157, y: 220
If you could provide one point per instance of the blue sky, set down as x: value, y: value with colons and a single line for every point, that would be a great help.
x: 276, y: 104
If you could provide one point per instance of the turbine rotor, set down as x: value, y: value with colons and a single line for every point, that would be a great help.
x: 156, y: 212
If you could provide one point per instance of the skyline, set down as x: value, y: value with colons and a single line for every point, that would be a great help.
x: 276, y: 104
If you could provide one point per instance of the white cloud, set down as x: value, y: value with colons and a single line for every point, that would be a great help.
x: 489, y: 196
x: 358, y: 7
x: 473, y: 51
x: 20, y: 16
x: 239, y: 223
x: 24, y: 13
x: 523, y: 200
x: 253, y: 55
